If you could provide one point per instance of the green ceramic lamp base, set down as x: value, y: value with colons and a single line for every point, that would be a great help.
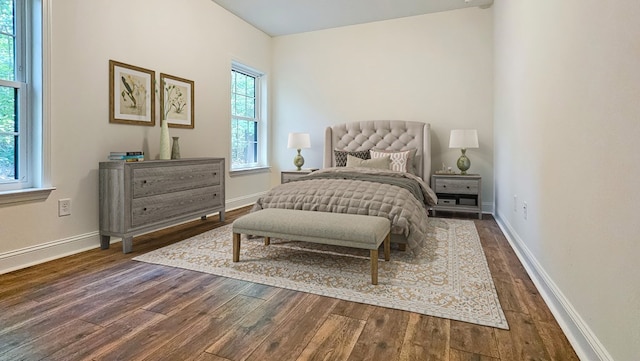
x: 298, y: 160
x: 463, y: 162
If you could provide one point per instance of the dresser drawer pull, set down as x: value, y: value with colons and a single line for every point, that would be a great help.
x: 144, y: 209
x: 144, y: 181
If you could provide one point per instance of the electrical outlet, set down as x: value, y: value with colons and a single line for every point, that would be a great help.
x: 515, y: 203
x: 64, y: 207
x: 524, y: 210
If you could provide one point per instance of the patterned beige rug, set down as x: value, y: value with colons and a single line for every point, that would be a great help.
x: 449, y: 278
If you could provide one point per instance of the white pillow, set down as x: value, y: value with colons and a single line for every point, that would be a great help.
x: 399, y: 159
x: 379, y: 163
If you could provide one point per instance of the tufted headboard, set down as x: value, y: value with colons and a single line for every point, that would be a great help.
x: 381, y: 134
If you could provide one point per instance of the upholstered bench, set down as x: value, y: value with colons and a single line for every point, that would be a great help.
x: 340, y: 229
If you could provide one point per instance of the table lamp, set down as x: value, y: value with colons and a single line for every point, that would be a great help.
x: 463, y: 139
x: 299, y: 141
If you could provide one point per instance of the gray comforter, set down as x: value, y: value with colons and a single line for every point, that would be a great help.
x: 401, y: 197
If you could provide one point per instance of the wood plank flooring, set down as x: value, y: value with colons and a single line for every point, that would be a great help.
x: 101, y: 305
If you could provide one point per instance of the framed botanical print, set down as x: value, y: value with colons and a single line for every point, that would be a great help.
x: 131, y: 94
x: 177, y: 101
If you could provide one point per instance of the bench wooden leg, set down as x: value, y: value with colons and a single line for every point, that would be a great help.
x: 402, y: 246
x: 267, y: 241
x: 387, y: 247
x: 374, y: 266
x: 236, y: 247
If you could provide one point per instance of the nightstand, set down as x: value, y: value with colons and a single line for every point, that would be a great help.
x: 289, y: 175
x: 458, y: 193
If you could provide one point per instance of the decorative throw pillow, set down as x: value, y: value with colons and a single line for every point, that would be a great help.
x: 401, y: 161
x: 341, y: 156
x: 379, y: 163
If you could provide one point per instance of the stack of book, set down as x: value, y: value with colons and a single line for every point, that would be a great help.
x: 136, y: 156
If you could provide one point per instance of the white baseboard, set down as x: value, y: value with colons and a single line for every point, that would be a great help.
x: 583, y: 340
x: 29, y: 256
x: 487, y: 207
x: 239, y: 202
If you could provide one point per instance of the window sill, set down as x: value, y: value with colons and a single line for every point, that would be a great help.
x: 245, y: 171
x: 25, y: 195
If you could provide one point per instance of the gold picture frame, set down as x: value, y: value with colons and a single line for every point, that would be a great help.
x: 132, y: 97
x: 177, y: 101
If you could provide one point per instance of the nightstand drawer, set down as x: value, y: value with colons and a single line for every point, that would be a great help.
x: 457, y: 186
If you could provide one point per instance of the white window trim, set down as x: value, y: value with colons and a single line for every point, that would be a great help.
x: 261, y: 108
x: 41, y: 173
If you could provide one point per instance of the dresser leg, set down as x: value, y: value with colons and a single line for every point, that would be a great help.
x: 127, y: 244
x: 104, y: 242
x: 221, y: 216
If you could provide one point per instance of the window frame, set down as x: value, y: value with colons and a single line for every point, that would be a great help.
x: 259, y: 118
x: 33, y: 26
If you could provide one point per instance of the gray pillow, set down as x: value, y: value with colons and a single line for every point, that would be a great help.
x: 378, y: 163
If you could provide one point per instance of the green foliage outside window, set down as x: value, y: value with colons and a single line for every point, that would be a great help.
x: 8, y: 98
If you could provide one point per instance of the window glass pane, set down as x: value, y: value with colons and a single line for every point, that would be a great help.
x: 7, y: 59
x: 242, y: 84
x: 240, y: 106
x: 8, y: 100
x: 8, y: 142
x: 8, y: 151
x: 244, y: 135
x: 234, y: 75
x: 6, y: 16
x: 7, y: 40
x: 250, y: 108
x: 251, y: 87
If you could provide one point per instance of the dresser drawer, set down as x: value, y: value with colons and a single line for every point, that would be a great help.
x: 165, y: 206
x: 160, y: 180
x: 457, y: 186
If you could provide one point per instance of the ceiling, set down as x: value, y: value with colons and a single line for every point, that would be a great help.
x: 284, y: 17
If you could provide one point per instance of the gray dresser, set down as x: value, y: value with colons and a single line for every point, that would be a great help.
x: 140, y: 197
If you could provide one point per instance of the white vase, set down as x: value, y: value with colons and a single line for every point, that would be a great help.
x: 165, y: 145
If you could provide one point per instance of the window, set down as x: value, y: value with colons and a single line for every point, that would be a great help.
x: 21, y: 84
x: 247, y: 125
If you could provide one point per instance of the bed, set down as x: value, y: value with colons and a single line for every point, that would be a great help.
x: 401, y: 194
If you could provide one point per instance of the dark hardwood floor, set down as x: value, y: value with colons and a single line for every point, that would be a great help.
x: 101, y: 305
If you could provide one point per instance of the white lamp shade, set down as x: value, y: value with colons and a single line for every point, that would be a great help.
x: 463, y: 138
x: 299, y: 141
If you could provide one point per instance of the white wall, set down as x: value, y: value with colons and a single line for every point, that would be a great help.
x: 434, y: 68
x: 567, y: 124
x: 195, y: 39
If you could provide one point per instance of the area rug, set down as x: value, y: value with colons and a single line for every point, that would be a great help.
x: 448, y: 278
